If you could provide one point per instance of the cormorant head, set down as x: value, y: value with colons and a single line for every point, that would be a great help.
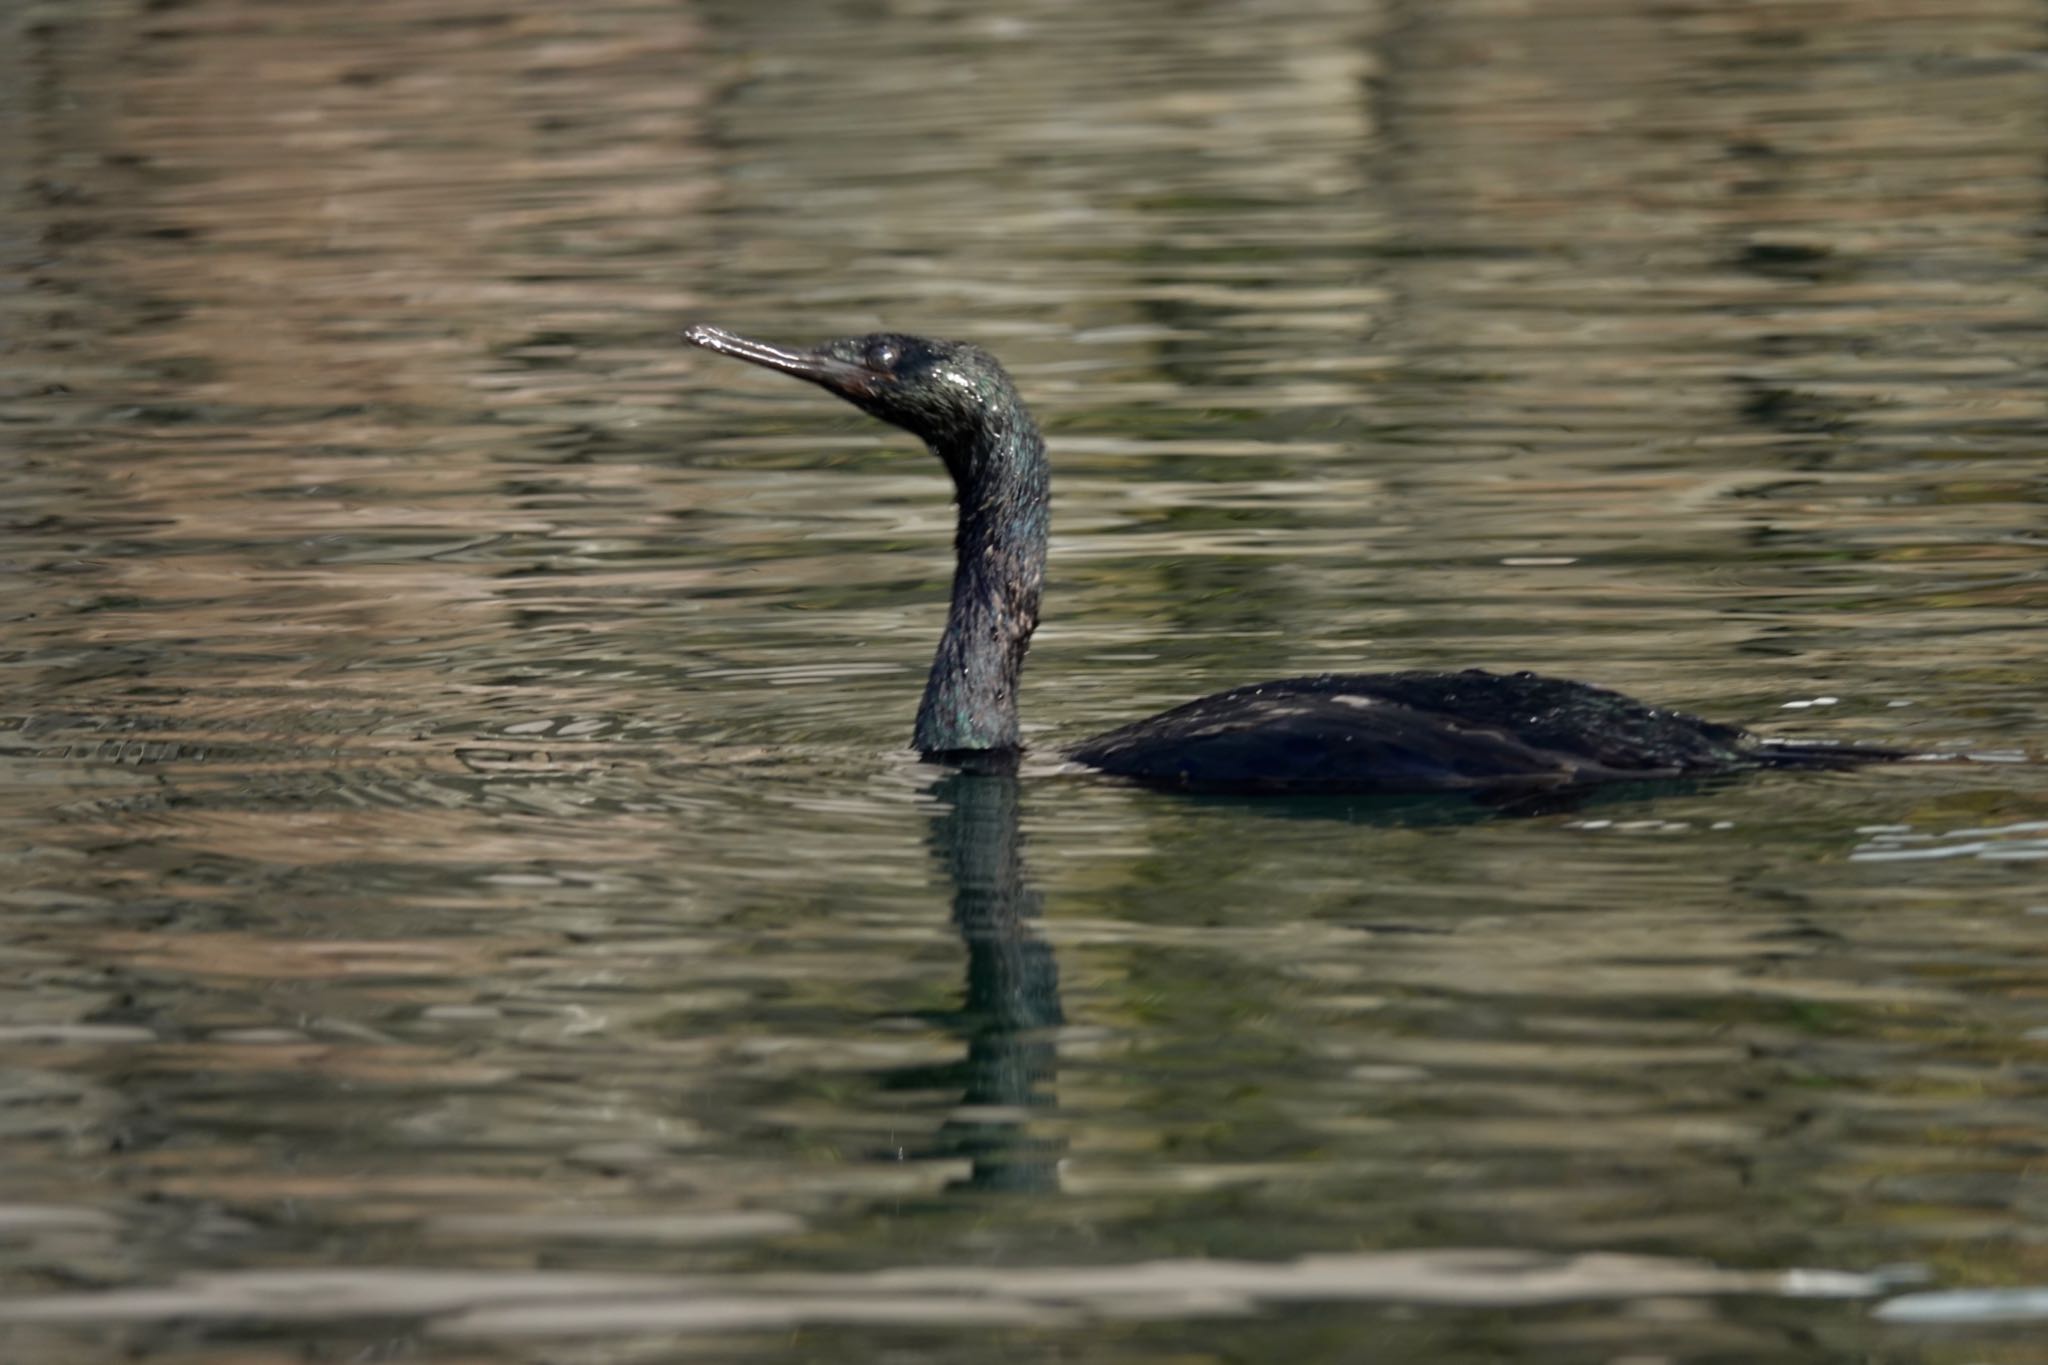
x: 948, y: 393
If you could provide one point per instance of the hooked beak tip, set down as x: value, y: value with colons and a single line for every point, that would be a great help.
x: 841, y: 376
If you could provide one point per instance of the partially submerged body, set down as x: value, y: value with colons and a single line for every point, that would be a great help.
x: 1385, y: 734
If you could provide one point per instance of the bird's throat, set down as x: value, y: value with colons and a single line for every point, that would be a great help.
x: 970, y: 700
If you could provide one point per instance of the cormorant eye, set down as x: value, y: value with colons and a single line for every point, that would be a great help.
x: 881, y: 355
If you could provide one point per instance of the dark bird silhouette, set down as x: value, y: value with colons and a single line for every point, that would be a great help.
x: 1493, y: 735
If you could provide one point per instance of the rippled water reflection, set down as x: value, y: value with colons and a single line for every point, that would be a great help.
x: 467, y: 898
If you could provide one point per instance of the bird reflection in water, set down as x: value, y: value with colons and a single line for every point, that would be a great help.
x: 1013, y: 997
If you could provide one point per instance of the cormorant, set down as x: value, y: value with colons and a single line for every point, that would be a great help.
x: 1488, y: 734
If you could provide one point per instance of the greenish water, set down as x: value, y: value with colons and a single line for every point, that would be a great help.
x: 467, y: 899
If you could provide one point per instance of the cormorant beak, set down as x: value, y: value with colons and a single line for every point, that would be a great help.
x: 843, y: 377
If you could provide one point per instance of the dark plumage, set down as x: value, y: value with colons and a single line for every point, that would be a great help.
x: 1368, y: 733
x: 1391, y: 733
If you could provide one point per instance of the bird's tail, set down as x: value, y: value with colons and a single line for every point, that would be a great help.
x: 1816, y: 753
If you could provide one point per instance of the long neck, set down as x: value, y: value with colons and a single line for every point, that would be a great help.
x: 970, y: 701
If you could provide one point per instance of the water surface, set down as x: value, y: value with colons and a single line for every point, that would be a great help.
x: 467, y: 898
